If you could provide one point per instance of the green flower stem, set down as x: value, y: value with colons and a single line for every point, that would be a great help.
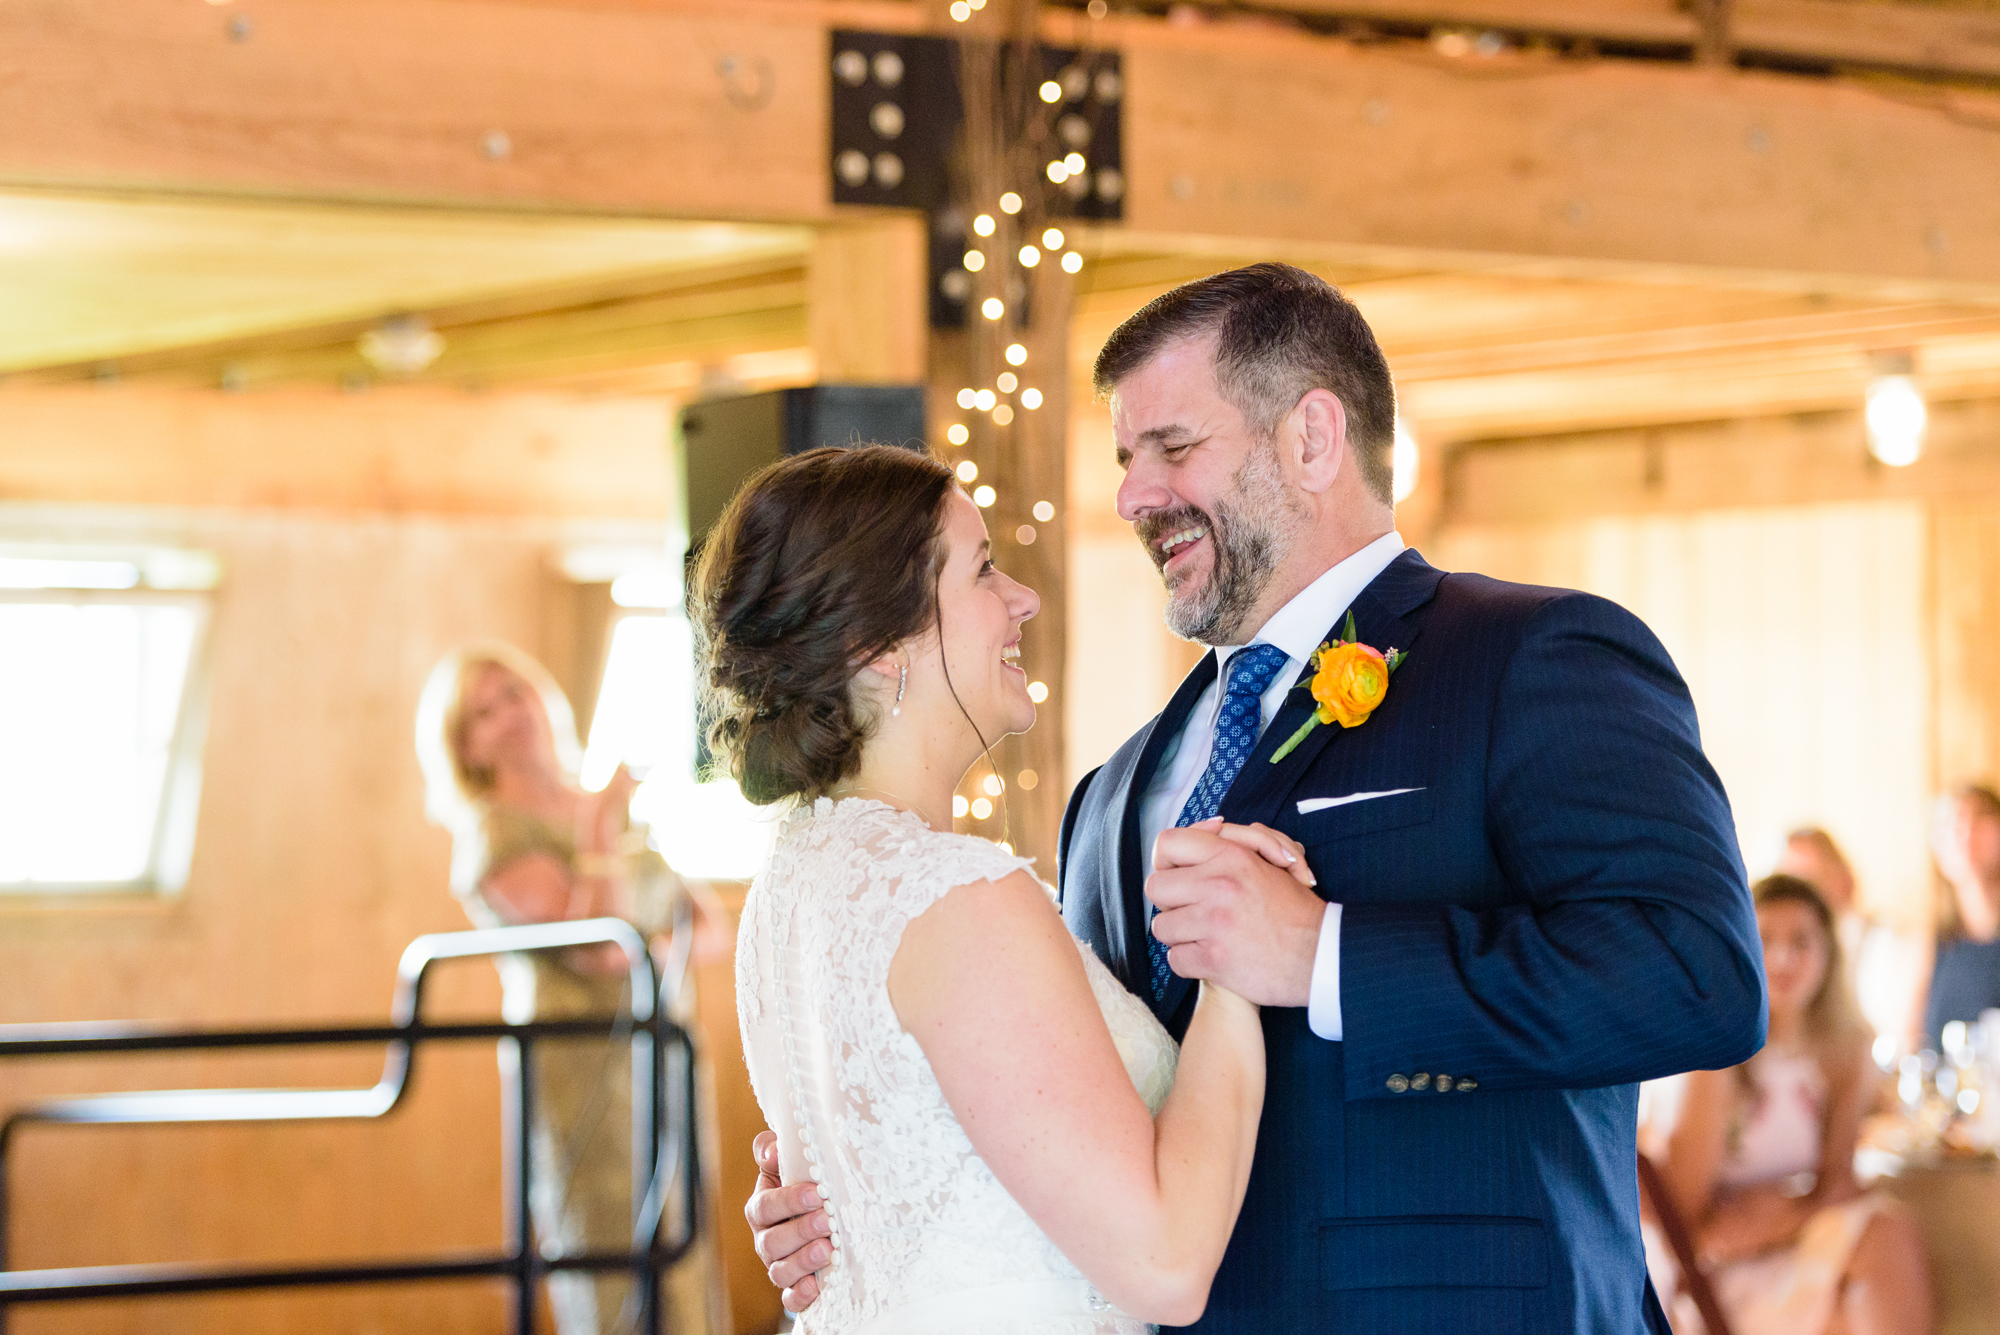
x: 1312, y: 721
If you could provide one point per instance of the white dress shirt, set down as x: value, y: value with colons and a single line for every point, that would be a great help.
x: 1298, y: 628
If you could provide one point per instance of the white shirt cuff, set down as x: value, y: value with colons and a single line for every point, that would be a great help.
x: 1323, y: 1007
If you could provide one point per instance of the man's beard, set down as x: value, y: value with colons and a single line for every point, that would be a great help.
x: 1249, y: 532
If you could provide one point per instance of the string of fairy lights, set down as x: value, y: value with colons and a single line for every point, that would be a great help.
x: 1033, y: 120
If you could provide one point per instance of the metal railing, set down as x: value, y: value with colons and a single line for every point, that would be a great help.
x: 663, y: 1131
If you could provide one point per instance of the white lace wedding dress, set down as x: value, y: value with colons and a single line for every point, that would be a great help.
x: 926, y: 1239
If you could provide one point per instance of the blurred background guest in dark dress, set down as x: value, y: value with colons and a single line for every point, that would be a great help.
x: 1965, y: 978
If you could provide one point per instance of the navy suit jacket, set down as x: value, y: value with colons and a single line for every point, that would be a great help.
x: 1557, y: 912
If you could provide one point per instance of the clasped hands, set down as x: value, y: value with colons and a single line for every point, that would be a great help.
x: 1235, y: 906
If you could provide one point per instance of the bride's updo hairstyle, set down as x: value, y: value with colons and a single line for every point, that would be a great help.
x: 822, y: 563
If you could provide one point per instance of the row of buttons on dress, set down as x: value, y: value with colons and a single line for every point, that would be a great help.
x: 795, y: 1081
x: 1422, y: 1080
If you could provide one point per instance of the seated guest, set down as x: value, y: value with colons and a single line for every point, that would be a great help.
x: 1965, y: 977
x: 1886, y: 968
x: 1811, y: 855
x: 1760, y: 1159
x: 498, y: 746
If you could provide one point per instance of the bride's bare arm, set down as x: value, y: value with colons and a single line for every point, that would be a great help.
x: 990, y: 984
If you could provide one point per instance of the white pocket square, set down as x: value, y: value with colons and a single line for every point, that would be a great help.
x: 1312, y: 804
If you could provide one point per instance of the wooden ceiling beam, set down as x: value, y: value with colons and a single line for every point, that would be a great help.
x: 1921, y: 39
x: 1694, y: 388
x: 550, y: 332
x: 1265, y: 139
x: 696, y: 110
x: 1700, y: 173
x: 1813, y: 458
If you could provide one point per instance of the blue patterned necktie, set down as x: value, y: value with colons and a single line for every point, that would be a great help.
x: 1236, y: 726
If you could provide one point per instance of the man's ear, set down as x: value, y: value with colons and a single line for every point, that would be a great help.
x: 1320, y: 420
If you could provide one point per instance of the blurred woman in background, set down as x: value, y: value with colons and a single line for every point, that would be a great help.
x: 1760, y: 1159
x: 1965, y: 976
x: 498, y: 746
x: 1887, y: 968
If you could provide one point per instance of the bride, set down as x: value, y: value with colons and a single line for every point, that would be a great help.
x: 993, y: 1127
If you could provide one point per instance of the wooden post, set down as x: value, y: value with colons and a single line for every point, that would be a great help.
x: 865, y: 301
x: 868, y: 317
x: 1026, y: 462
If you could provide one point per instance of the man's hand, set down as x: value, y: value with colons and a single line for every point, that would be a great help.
x: 1236, y: 907
x: 790, y: 1228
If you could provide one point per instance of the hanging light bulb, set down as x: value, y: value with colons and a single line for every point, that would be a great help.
x: 1403, y: 463
x: 967, y: 470
x: 1017, y: 353
x: 960, y: 11
x: 967, y: 397
x: 959, y: 806
x: 1010, y: 202
x: 1895, y: 413
x: 1030, y: 257
x: 1058, y: 172
x: 1003, y: 415
x: 1038, y: 691
x: 1072, y: 262
x: 984, y: 400
x: 983, y: 224
x: 1031, y: 397
x: 983, y: 496
x: 993, y: 308
x: 1007, y: 382
x: 957, y: 434
x: 401, y: 345
x: 975, y: 260
x: 1052, y: 239
x: 1051, y: 92
x: 1074, y: 162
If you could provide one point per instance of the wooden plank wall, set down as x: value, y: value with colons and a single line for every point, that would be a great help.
x: 361, y: 536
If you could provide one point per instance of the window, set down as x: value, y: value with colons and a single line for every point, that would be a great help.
x: 99, y: 747
x: 645, y: 718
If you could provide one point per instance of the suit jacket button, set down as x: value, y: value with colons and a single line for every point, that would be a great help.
x: 1421, y: 1080
x: 1398, y: 1083
x: 1466, y: 1084
x: 1444, y: 1084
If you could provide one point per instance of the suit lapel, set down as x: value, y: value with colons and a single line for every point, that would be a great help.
x: 1125, y: 916
x: 1254, y: 794
x: 1383, y: 617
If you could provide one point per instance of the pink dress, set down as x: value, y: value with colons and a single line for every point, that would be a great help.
x: 1776, y: 1135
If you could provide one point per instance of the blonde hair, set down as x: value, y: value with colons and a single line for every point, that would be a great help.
x: 455, y: 793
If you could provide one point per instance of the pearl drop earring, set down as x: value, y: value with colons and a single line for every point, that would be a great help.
x: 902, y: 684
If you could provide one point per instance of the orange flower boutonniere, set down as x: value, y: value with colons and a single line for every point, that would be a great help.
x: 1350, y: 680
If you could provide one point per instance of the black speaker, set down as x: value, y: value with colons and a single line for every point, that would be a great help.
x: 724, y: 441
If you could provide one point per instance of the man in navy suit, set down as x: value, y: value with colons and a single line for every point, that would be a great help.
x: 1529, y: 893
x: 1529, y: 896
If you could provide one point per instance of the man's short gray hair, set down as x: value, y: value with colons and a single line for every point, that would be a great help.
x: 1279, y: 332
